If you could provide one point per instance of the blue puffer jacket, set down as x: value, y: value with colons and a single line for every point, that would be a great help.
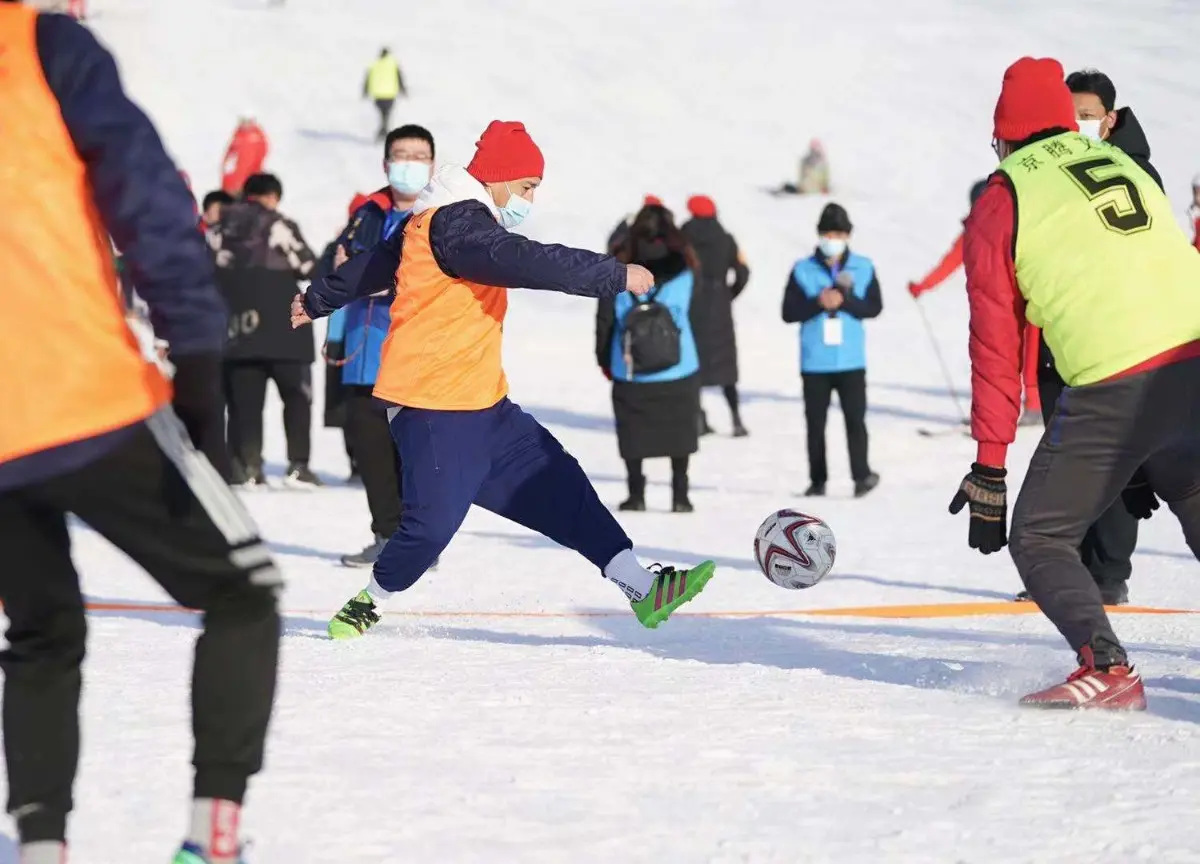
x: 366, y: 321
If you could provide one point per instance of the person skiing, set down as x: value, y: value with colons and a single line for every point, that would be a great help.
x: 384, y: 84
x: 950, y: 262
x: 245, y: 156
x: 715, y: 337
x: 1122, y: 319
x: 97, y: 434
x: 461, y: 439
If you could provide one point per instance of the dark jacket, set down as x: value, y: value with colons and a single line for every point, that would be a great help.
x: 715, y: 337
x: 260, y: 257
x: 143, y: 203
x: 653, y: 419
x: 469, y: 244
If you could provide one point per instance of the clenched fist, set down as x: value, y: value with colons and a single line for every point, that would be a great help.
x: 638, y: 280
x: 299, y: 316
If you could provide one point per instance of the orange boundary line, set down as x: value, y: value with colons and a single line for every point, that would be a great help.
x: 927, y: 610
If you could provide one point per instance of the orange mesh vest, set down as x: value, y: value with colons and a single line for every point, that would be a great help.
x: 69, y: 366
x: 443, y: 346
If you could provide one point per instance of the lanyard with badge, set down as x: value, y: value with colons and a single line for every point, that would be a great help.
x: 831, y: 323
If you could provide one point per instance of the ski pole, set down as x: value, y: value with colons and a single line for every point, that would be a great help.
x: 962, y: 415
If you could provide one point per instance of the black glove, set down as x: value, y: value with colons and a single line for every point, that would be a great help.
x: 985, y: 491
x: 199, y: 402
x: 1139, y: 498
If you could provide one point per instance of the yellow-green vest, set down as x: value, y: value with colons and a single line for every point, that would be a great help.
x: 1105, y: 270
x: 383, y: 79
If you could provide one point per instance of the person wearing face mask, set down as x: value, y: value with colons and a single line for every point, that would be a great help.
x: 1098, y: 118
x: 408, y: 160
x: 1194, y: 211
x: 830, y: 294
x: 462, y: 441
x: 1076, y: 237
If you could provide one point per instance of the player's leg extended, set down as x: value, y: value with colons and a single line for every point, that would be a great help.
x: 164, y: 505
x: 536, y: 483
x: 444, y: 458
x: 46, y: 634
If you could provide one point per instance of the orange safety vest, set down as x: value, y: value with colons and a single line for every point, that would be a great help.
x: 443, y: 346
x: 70, y: 367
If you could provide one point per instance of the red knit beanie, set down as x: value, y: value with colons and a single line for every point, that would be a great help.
x: 505, y: 152
x: 652, y: 201
x: 702, y: 207
x: 1034, y: 97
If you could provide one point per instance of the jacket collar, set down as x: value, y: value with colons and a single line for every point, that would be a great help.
x: 450, y: 185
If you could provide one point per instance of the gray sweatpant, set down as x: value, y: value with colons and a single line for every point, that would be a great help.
x: 1098, y: 437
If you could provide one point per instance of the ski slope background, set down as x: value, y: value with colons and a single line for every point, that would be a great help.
x: 511, y: 710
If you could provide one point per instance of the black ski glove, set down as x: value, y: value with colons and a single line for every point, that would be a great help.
x: 985, y: 491
x: 1139, y: 498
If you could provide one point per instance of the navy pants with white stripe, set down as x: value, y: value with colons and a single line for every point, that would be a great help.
x: 502, y: 460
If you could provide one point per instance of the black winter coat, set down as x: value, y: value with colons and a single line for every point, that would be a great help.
x: 653, y: 418
x: 261, y: 256
x: 715, y: 338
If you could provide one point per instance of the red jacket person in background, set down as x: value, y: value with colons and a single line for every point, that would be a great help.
x: 1098, y: 261
x: 245, y: 155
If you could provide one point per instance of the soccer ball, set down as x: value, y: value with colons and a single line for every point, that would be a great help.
x: 794, y: 550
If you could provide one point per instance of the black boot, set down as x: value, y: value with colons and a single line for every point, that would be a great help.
x: 865, y: 485
x: 739, y: 430
x: 679, y: 493
x: 637, y: 494
x: 702, y: 427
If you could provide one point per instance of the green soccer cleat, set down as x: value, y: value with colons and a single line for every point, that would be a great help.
x: 671, y: 589
x: 190, y: 853
x: 355, y: 618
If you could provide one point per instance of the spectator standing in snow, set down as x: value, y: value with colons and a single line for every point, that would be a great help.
x: 260, y: 257
x: 408, y: 160
x: 210, y: 211
x: 1107, y: 547
x: 245, y: 156
x: 91, y: 430
x: 384, y: 84
x: 617, y: 238
x: 461, y: 439
x: 830, y: 294
x: 655, y: 405
x: 951, y: 261
x: 719, y: 258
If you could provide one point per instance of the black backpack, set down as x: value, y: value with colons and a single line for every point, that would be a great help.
x: 651, y: 341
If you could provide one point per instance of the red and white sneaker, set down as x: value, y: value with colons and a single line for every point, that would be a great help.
x: 1118, y: 688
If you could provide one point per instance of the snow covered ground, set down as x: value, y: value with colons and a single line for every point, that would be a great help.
x: 511, y: 710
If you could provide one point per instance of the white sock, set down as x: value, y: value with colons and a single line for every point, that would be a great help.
x: 629, y: 575
x: 215, y: 826
x: 378, y: 593
x: 43, y: 852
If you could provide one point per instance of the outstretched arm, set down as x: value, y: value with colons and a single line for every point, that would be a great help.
x: 361, y: 276
x: 469, y: 244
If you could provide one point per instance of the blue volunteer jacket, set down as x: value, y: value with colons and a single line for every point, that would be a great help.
x: 676, y: 295
x: 365, y: 322
x: 863, y: 300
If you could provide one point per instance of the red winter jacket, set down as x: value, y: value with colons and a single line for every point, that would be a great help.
x: 245, y: 156
x: 951, y: 262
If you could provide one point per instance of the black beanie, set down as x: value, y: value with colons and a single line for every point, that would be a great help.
x: 834, y: 218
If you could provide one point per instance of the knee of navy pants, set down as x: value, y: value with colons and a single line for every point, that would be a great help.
x: 501, y: 459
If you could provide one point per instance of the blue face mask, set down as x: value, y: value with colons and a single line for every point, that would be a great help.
x: 408, y: 178
x: 514, y: 212
x: 831, y: 247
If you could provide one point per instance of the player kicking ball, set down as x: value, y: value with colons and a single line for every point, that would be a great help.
x: 461, y: 440
x: 1096, y: 260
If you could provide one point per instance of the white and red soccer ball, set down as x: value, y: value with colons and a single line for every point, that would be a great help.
x: 794, y: 549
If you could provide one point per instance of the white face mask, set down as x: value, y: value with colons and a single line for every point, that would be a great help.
x: 1090, y: 128
x: 831, y: 247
